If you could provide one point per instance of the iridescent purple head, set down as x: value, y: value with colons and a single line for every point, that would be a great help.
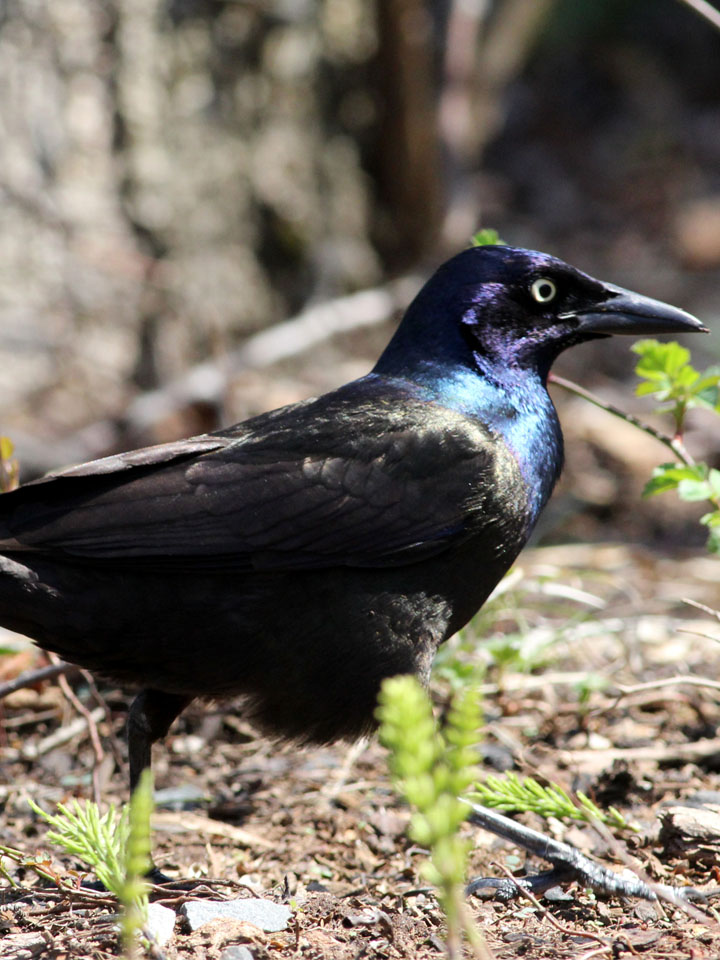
x: 518, y: 308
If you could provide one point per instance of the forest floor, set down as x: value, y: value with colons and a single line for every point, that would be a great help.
x: 601, y: 689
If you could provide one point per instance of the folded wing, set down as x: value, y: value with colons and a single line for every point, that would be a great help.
x: 329, y: 482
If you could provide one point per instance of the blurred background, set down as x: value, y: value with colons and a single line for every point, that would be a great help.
x: 179, y: 177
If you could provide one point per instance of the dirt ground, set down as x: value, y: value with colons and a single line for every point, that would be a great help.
x: 603, y: 689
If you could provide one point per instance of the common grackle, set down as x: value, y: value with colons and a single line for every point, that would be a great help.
x: 300, y: 557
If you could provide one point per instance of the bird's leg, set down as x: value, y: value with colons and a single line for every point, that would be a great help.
x: 568, y: 865
x: 149, y: 718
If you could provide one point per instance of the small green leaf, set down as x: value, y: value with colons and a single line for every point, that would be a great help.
x: 686, y: 376
x: 645, y: 389
x: 694, y: 490
x: 486, y: 237
x: 713, y: 540
x: 707, y: 388
x: 714, y: 481
x: 668, y: 476
x: 656, y: 357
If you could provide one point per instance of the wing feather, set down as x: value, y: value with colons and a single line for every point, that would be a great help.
x: 299, y: 488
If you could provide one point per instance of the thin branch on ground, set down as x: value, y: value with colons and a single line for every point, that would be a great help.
x: 77, y: 705
x: 33, y: 677
x: 546, y: 915
x: 672, y: 443
x: 61, y: 735
x: 665, y: 894
x: 705, y: 609
x: 112, y: 738
x: 625, y: 690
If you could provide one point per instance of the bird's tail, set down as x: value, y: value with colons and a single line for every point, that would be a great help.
x: 26, y: 603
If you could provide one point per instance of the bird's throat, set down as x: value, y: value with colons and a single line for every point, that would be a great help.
x: 514, y: 405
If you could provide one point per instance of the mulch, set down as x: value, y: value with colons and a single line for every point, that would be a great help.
x: 607, y: 684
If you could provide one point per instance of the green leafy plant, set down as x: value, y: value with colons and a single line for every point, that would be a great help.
x: 511, y: 794
x: 115, y: 845
x: 669, y: 377
x: 486, y: 237
x: 591, y: 683
x: 98, y: 840
x: 521, y: 652
x: 43, y: 868
x: 133, y: 894
x: 432, y: 768
x: 9, y: 470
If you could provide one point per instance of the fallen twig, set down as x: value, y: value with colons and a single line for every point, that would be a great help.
x: 660, y: 753
x: 546, y: 915
x: 70, y: 696
x: 61, y: 735
x: 625, y: 690
x: 705, y: 609
x: 672, y: 443
x: 33, y: 677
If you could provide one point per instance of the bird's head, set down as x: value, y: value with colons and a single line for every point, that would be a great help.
x: 500, y: 306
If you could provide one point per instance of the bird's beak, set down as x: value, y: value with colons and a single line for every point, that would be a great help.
x: 631, y: 313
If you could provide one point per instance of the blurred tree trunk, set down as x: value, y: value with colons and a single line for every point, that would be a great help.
x: 175, y: 175
x: 410, y: 180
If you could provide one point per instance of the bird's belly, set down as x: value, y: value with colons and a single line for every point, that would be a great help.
x: 307, y: 649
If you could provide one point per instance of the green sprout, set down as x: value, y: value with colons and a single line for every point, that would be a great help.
x: 486, y: 238
x: 9, y: 469
x: 512, y: 795
x: 432, y: 768
x: 669, y: 377
x: 116, y: 846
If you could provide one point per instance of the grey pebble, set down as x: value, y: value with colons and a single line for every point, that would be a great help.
x: 236, y: 952
x: 160, y: 923
x: 268, y: 916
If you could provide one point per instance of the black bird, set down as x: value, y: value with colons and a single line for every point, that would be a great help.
x: 302, y: 556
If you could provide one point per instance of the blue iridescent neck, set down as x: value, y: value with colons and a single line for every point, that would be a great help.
x: 511, y: 402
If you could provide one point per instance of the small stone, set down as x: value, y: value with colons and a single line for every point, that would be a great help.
x: 236, y: 952
x: 268, y: 916
x: 160, y: 923
x: 557, y: 895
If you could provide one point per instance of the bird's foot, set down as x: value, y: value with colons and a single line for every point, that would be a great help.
x: 568, y: 865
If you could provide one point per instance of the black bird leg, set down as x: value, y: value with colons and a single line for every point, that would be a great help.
x: 568, y: 865
x: 150, y: 717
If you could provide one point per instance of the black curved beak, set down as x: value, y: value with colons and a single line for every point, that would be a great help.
x: 631, y: 313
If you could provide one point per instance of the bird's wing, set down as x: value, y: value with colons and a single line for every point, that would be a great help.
x: 300, y: 488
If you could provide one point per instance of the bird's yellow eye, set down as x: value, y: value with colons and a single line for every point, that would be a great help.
x: 543, y: 290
